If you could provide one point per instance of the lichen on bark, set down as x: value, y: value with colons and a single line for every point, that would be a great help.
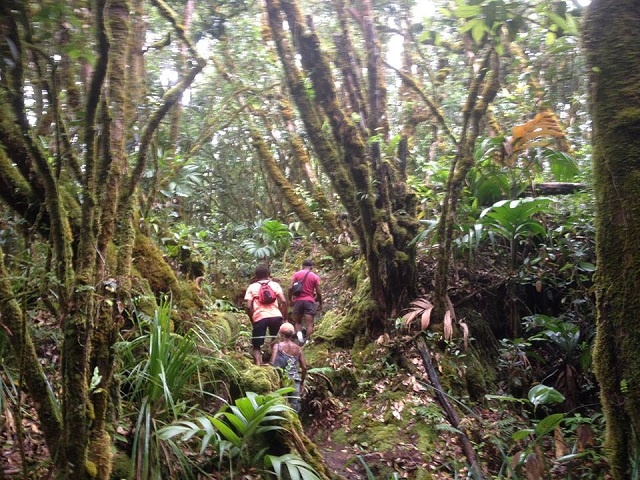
x: 612, y: 42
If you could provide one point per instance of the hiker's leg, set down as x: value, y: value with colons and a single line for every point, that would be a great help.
x: 296, y: 315
x: 308, y: 320
x: 257, y: 340
x: 257, y: 356
x: 295, y: 400
x: 309, y: 314
x: 273, y: 326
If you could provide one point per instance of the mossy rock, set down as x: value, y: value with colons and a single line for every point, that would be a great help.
x: 146, y: 304
x: 337, y: 328
x: 189, y: 295
x: 151, y: 265
x: 480, y: 377
x: 342, y: 328
x: 252, y: 378
x: 222, y: 326
x: 121, y: 466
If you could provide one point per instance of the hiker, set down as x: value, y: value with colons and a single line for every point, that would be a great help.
x: 304, y: 293
x: 266, y: 306
x: 287, y: 356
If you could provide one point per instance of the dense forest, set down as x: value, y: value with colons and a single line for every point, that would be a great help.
x: 462, y: 174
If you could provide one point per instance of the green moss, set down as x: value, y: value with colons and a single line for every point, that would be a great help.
x: 189, y: 296
x: 337, y: 328
x: 146, y: 303
x: 121, y: 466
x: 342, y: 328
x: 149, y: 262
x: 402, y: 257
x: 223, y: 326
x: 101, y: 455
x: 479, y: 377
x: 383, y: 434
x: 257, y: 379
x: 364, y: 355
x: 317, y: 354
x: 91, y: 469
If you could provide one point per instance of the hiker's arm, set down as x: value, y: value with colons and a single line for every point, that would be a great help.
x: 282, y: 303
x: 274, y: 352
x: 319, y: 296
x: 303, y: 367
x: 248, y: 307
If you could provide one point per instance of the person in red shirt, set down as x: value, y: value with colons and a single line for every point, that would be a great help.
x: 264, y: 316
x: 307, y: 302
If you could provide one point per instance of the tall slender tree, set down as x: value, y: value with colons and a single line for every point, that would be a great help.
x: 612, y: 41
x: 76, y: 189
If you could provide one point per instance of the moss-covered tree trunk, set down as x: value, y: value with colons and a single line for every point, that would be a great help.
x: 43, y: 177
x: 348, y: 130
x: 612, y: 40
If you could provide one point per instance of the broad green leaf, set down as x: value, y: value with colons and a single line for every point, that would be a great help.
x: 541, y: 395
x: 547, y: 424
x: 586, y: 267
x: 558, y: 20
x: 467, y: 11
x: 234, y: 420
x: 550, y: 38
x: 520, y: 434
x: 478, y: 31
x: 573, y: 26
x: 226, y: 432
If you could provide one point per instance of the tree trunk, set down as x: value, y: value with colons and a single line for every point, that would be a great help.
x: 347, y: 131
x: 79, y: 229
x: 612, y: 41
x: 482, y: 90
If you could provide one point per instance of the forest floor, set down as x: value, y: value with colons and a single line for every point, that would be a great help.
x: 389, y: 425
x: 392, y: 426
x: 386, y: 404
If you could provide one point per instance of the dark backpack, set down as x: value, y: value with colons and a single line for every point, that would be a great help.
x: 296, y: 288
x: 266, y: 294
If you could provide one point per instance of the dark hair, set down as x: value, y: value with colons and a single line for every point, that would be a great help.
x: 307, y: 263
x: 262, y: 271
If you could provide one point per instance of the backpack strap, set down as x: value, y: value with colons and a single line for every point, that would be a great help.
x: 305, y: 277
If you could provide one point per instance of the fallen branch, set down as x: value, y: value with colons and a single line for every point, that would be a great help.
x: 452, y: 415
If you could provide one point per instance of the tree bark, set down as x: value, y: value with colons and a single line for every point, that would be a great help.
x: 612, y: 41
x: 482, y: 90
x: 349, y: 145
x: 79, y: 229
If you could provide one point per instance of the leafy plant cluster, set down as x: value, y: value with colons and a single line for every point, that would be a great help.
x: 167, y: 384
x: 546, y: 443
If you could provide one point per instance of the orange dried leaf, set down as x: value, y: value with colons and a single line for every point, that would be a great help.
x: 534, y: 467
x: 561, y: 448
x: 422, y: 303
x: 410, y: 316
x: 426, y: 318
x: 465, y: 334
x: 448, y: 327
